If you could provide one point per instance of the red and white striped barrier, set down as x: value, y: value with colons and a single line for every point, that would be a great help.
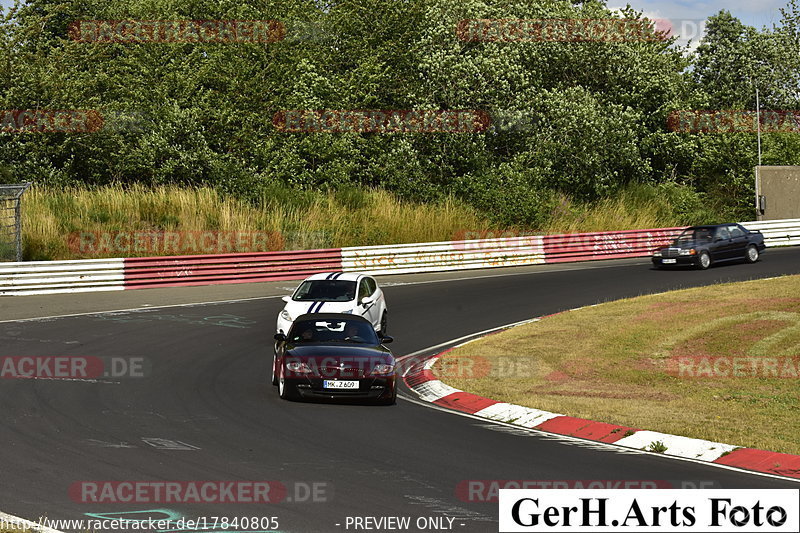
x: 49, y: 277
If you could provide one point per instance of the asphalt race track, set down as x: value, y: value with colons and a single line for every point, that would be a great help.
x: 206, y: 396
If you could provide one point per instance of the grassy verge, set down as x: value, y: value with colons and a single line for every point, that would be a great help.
x: 720, y: 363
x: 54, y: 219
x: 303, y: 220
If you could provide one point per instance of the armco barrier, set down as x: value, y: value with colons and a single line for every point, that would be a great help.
x: 148, y: 272
x: 49, y: 277
x: 778, y: 232
x: 438, y: 256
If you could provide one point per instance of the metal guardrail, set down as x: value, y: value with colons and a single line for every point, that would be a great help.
x: 50, y: 277
x: 439, y: 256
x: 148, y: 272
x: 136, y: 273
x: 777, y: 232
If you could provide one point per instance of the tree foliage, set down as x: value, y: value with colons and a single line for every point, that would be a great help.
x: 576, y: 118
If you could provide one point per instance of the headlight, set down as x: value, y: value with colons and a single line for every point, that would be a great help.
x: 689, y: 252
x: 382, y: 370
x: 286, y: 316
x: 657, y: 253
x: 300, y: 368
x: 348, y: 312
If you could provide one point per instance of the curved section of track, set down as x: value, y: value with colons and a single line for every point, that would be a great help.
x: 207, y: 388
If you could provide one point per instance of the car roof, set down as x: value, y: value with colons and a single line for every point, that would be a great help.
x: 340, y: 276
x: 331, y: 316
x: 710, y: 226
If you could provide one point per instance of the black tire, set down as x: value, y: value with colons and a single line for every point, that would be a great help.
x: 274, y: 375
x: 704, y: 260
x: 384, y: 322
x: 286, y: 391
x: 752, y: 254
x: 390, y: 401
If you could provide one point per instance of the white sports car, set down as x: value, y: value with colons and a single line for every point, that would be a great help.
x: 336, y: 292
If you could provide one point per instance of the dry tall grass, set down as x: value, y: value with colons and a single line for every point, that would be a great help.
x: 303, y: 219
x: 51, y: 216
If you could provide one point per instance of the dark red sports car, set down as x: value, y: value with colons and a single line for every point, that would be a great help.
x: 334, y: 356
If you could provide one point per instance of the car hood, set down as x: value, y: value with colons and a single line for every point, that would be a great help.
x: 685, y: 245
x: 338, y: 350
x: 296, y: 309
x: 338, y: 362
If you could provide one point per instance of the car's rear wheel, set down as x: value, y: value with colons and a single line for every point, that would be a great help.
x: 752, y: 254
x: 703, y: 261
x: 384, y: 321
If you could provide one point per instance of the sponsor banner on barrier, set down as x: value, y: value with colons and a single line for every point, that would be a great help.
x: 446, y: 255
x: 177, y: 31
x: 601, y: 245
x: 641, y: 510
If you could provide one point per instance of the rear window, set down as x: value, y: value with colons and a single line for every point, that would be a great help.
x: 324, y: 290
x: 736, y: 231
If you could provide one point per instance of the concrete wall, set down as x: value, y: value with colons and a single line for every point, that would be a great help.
x: 781, y: 188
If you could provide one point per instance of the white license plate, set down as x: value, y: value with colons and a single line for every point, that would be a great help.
x: 340, y: 384
x: 669, y: 261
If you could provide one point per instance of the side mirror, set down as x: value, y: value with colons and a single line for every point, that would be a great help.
x: 366, y: 300
x: 386, y: 339
x: 287, y: 299
x: 280, y: 337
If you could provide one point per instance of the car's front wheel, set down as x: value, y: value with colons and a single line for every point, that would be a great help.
x: 752, y: 254
x: 274, y: 375
x: 286, y: 391
x: 391, y: 400
x: 704, y: 260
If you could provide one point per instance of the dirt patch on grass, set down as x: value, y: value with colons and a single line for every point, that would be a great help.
x: 611, y: 363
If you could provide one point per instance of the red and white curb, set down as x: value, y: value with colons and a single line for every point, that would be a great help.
x: 420, y: 379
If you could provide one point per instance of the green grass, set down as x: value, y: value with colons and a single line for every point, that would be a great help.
x: 620, y: 362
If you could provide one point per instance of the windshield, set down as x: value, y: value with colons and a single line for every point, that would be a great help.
x: 698, y: 235
x: 314, y: 330
x: 324, y: 290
